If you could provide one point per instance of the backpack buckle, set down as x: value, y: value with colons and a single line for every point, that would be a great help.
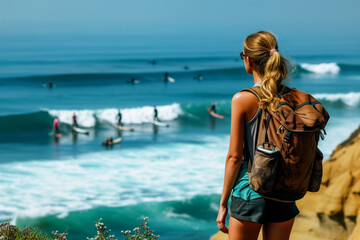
x: 287, y: 136
x: 280, y: 129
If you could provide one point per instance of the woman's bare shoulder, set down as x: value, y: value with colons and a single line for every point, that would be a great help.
x: 244, y: 99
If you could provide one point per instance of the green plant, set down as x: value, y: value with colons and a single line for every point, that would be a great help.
x: 140, y: 233
x: 10, y: 232
x: 102, y: 234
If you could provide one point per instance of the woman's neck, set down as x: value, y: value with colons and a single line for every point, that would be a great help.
x: 257, y: 78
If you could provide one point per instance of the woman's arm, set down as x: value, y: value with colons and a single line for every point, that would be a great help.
x: 241, y: 103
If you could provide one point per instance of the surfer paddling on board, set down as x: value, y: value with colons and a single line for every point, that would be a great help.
x: 199, y: 77
x: 108, y: 142
x: 50, y: 85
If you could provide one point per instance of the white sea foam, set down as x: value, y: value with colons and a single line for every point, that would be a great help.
x: 351, y: 99
x: 338, y: 130
x: 322, y: 68
x: 87, y: 118
x: 112, y: 178
x: 171, y: 214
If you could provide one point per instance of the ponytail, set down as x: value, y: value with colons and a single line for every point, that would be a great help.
x: 262, y: 49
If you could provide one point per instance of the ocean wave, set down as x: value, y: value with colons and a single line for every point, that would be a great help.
x: 322, y: 68
x: 198, y: 220
x: 192, y: 112
x: 351, y: 99
x: 116, y: 77
x: 155, y: 75
x: 112, y: 179
x: 89, y: 118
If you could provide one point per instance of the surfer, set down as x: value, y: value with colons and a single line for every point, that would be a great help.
x: 213, y: 107
x: 56, y: 125
x: 166, y: 77
x: 212, y: 111
x: 119, y: 118
x: 153, y: 62
x: 186, y: 67
x: 156, y: 114
x: 108, y: 142
x: 199, y: 77
x: 74, y: 124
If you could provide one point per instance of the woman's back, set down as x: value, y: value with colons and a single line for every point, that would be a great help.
x: 249, y: 211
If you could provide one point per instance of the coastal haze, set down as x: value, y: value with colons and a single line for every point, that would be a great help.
x: 90, y: 51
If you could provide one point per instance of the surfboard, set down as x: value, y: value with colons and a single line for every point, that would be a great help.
x: 133, y: 82
x: 115, y: 141
x: 58, y: 135
x: 160, y: 124
x: 79, y: 130
x: 170, y: 79
x: 215, y: 114
x: 123, y: 128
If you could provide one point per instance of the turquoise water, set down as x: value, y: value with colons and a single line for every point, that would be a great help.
x: 173, y: 175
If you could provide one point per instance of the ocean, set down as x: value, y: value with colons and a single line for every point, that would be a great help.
x: 173, y: 175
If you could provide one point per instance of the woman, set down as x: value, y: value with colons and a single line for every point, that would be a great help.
x: 249, y: 211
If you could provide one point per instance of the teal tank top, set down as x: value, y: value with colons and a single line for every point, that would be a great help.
x: 242, y: 187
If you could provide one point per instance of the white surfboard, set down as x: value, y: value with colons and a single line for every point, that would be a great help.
x: 170, y: 79
x: 123, y: 128
x: 160, y: 124
x: 79, y: 130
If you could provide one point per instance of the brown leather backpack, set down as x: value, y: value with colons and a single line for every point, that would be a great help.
x: 287, y: 162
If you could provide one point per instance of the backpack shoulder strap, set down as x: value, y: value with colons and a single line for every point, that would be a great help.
x: 254, y: 90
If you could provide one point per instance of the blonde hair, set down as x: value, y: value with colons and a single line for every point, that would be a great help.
x: 271, y: 66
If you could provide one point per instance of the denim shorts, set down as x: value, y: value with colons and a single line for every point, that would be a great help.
x: 262, y: 210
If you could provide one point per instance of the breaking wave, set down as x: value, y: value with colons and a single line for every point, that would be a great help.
x: 322, y: 68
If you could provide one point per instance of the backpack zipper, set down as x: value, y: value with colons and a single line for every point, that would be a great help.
x: 297, y: 107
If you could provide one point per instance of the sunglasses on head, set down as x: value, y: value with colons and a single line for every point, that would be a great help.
x: 242, y: 55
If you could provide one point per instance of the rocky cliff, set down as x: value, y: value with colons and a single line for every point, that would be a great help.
x: 334, y: 211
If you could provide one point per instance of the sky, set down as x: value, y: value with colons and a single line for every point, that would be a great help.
x: 177, y: 16
x: 321, y: 21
